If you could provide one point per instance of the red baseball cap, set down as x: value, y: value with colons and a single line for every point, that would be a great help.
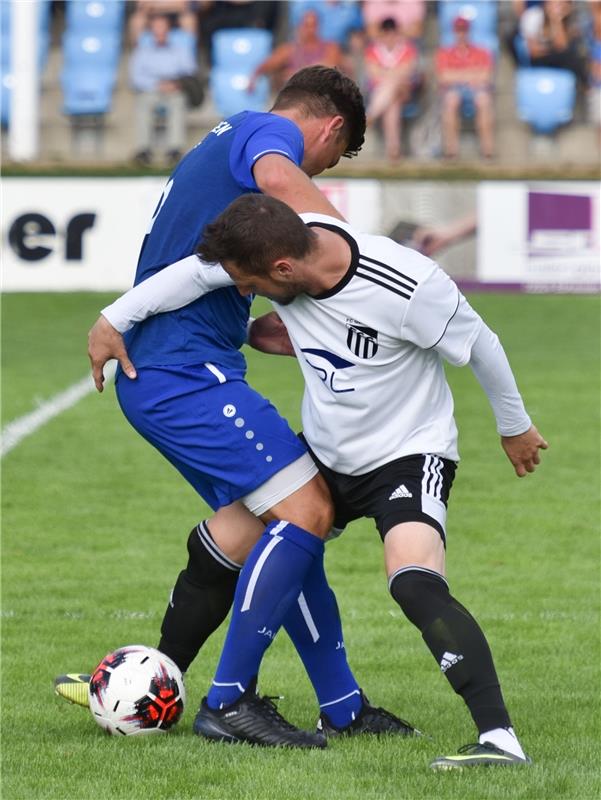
x: 461, y: 24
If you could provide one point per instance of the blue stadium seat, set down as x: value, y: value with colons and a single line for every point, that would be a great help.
x: 6, y: 85
x: 95, y: 16
x: 6, y: 67
x: 241, y: 49
x: 229, y: 89
x: 483, y: 18
x: 43, y: 32
x: 545, y: 97
x: 89, y: 51
x: 89, y: 72
x: 86, y: 92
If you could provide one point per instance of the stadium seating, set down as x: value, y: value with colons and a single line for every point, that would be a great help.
x: 95, y: 16
x: 229, y: 89
x: 236, y: 54
x: 241, y: 49
x: 483, y: 18
x: 545, y: 97
x: 89, y: 72
x: 6, y: 67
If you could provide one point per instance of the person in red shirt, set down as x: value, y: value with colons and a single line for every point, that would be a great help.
x: 390, y: 64
x: 465, y: 74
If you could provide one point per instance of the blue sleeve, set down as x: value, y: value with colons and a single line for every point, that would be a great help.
x: 274, y: 134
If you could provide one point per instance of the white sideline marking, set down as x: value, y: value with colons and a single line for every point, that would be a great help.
x: 22, y: 427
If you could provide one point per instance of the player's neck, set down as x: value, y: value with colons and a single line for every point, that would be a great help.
x: 329, y: 262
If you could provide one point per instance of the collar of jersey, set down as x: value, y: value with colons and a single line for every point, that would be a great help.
x: 352, y: 266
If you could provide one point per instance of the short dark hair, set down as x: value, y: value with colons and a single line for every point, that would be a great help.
x: 323, y: 91
x: 254, y: 231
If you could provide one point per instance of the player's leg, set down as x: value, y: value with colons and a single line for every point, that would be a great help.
x: 269, y: 584
x: 204, y: 590
x: 415, y: 564
x: 229, y: 442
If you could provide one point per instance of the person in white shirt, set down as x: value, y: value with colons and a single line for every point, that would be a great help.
x: 370, y: 323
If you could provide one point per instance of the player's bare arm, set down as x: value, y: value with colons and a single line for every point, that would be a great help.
x: 523, y: 450
x: 278, y: 177
x: 269, y: 335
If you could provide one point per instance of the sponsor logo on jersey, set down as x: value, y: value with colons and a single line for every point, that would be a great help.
x: 361, y: 340
x: 329, y: 367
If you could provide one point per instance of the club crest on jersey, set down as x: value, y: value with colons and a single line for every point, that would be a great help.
x: 361, y: 340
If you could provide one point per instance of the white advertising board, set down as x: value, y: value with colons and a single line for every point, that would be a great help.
x: 71, y: 234
x: 539, y: 236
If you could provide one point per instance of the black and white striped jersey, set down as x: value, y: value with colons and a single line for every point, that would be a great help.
x: 371, y: 351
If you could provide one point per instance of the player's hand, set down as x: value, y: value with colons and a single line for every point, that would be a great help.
x: 523, y: 450
x: 104, y: 343
x: 269, y: 335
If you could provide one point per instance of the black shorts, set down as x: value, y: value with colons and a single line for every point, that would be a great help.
x: 410, y: 489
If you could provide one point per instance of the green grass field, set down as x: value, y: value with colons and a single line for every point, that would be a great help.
x: 94, y: 530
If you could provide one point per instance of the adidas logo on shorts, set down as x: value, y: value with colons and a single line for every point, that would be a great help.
x: 400, y: 493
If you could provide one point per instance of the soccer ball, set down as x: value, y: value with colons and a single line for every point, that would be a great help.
x: 136, y: 690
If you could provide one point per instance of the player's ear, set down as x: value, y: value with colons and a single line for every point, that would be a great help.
x: 282, y: 269
x: 334, y: 126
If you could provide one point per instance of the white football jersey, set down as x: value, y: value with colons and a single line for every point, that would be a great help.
x: 371, y: 352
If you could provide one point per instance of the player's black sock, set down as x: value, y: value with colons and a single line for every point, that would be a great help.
x: 456, y: 642
x: 200, y: 600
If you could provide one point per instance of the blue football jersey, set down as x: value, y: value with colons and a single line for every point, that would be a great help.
x: 207, y: 179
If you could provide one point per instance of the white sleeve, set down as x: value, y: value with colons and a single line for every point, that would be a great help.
x: 170, y: 288
x: 438, y: 316
x: 491, y: 368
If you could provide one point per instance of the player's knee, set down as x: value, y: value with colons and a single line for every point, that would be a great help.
x: 422, y: 594
x: 310, y: 507
x: 206, y: 564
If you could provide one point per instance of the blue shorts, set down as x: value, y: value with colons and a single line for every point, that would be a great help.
x: 224, y: 438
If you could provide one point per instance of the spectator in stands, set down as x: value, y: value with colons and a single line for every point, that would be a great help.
x: 465, y: 75
x: 391, y: 67
x: 155, y: 68
x: 409, y: 15
x: 304, y: 50
x: 553, y: 38
x: 338, y: 19
x: 180, y: 13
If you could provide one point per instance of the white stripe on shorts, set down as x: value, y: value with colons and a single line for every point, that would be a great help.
x: 248, y: 596
x: 432, y: 482
x: 216, y: 372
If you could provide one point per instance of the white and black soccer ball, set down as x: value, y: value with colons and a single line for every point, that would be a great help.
x: 136, y: 690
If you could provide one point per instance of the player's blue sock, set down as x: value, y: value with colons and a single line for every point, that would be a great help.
x: 269, y: 583
x: 313, y: 623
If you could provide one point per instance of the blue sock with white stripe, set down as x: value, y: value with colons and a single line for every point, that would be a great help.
x: 313, y: 623
x: 269, y: 583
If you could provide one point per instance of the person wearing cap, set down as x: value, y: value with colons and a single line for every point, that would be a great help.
x: 465, y: 75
